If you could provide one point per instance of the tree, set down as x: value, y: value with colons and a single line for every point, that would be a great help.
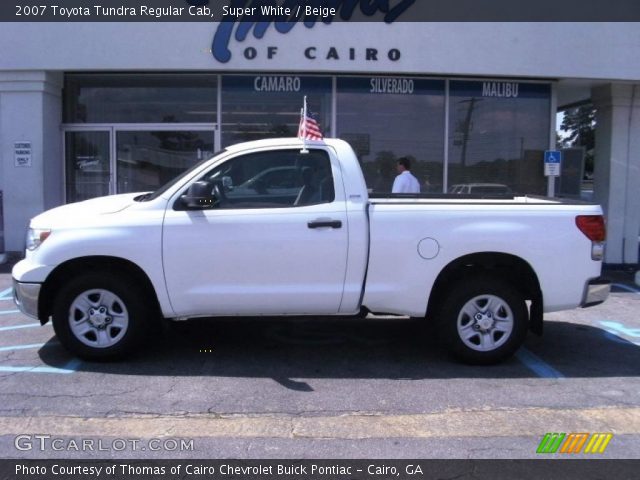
x: 579, y: 123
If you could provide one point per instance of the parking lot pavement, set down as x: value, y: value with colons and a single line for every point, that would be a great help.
x: 381, y: 387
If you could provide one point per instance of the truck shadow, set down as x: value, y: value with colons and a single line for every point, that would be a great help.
x: 334, y: 348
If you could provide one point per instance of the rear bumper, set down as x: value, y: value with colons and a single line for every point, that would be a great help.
x: 596, y: 292
x: 26, y: 295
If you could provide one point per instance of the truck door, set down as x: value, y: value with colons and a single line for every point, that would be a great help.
x: 273, y: 239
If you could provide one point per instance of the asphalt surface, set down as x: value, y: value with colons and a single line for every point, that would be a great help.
x: 321, y: 388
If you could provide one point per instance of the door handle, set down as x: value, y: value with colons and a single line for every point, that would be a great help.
x: 325, y: 224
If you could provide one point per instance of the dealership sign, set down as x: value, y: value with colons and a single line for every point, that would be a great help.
x: 244, y: 17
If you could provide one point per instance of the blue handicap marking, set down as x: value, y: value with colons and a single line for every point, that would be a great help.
x: 70, y: 366
x: 537, y: 365
x: 6, y: 294
x: 614, y: 329
x: 610, y: 335
x: 620, y: 328
x: 625, y: 287
x: 552, y: 156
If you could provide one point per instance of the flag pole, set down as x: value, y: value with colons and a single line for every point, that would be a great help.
x: 304, y: 127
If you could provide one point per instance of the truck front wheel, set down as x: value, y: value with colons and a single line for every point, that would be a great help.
x: 483, y: 320
x: 99, y: 316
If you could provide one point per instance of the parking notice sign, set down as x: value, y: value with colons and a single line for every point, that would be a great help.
x: 22, y: 154
x: 552, y: 162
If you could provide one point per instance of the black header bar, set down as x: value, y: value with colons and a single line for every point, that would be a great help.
x: 320, y: 10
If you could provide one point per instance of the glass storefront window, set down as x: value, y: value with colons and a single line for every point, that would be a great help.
x: 88, y: 172
x: 385, y: 118
x: 140, y: 98
x: 268, y: 106
x: 498, y: 132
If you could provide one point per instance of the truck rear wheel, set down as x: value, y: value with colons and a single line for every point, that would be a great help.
x: 483, y: 320
x: 99, y: 316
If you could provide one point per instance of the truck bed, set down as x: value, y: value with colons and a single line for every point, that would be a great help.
x: 451, y: 198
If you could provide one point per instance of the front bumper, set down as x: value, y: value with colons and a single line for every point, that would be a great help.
x: 596, y: 292
x: 25, y: 295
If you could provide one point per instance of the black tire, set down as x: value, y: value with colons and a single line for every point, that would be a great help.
x: 130, y: 300
x: 473, y: 292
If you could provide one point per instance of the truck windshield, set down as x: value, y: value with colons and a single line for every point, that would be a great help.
x: 153, y: 195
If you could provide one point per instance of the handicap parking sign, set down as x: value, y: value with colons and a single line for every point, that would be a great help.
x: 552, y: 162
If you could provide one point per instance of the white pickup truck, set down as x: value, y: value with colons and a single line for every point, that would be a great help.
x: 300, y: 235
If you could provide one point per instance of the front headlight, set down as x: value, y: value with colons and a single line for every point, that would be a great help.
x: 35, y: 237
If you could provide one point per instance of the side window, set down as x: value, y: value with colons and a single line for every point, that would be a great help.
x: 279, y: 178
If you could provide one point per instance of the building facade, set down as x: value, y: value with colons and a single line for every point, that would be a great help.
x: 90, y: 109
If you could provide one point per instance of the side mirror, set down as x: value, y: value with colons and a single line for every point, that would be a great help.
x: 199, y: 196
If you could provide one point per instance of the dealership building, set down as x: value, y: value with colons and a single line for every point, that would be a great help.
x: 90, y: 109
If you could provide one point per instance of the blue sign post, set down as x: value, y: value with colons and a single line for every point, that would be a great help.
x: 552, y: 165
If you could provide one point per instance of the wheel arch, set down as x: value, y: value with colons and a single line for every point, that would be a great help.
x: 514, y: 269
x: 63, y: 272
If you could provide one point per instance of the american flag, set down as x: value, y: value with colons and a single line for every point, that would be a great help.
x: 309, y: 128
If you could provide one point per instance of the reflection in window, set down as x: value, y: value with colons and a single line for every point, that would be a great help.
x: 387, y: 118
x: 275, y: 179
x: 498, y: 133
x: 148, y: 159
x: 140, y: 98
x: 268, y: 106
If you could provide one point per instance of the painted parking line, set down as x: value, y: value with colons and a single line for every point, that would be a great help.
x: 9, y: 312
x: 70, y: 367
x: 7, y: 294
x: 613, y: 336
x: 621, y: 328
x: 16, y: 327
x: 22, y: 347
x: 537, y: 365
x: 626, y: 287
x: 620, y: 333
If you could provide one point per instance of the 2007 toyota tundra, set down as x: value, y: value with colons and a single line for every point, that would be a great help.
x: 265, y: 229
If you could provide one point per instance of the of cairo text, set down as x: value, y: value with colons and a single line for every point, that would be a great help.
x: 137, y: 11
